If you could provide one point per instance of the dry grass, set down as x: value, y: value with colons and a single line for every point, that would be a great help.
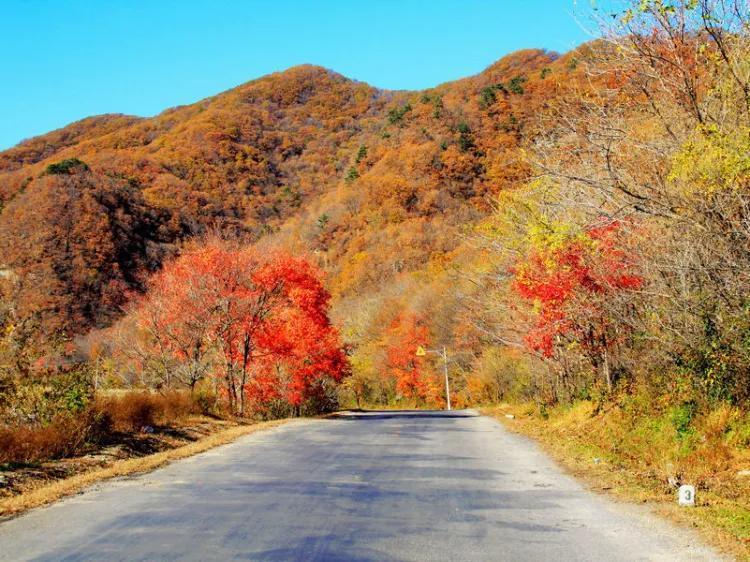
x: 73, y: 433
x: 132, y: 411
x: 64, y: 436
x: 54, y: 491
x: 631, y: 460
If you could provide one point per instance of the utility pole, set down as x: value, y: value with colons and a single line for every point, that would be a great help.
x: 421, y: 352
x: 447, y: 386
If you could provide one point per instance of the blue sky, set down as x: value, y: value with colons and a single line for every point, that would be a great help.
x: 64, y: 60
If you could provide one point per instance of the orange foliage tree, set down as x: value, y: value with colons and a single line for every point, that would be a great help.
x: 406, y: 333
x: 260, y: 325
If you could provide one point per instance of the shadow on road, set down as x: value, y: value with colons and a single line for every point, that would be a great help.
x: 401, y: 414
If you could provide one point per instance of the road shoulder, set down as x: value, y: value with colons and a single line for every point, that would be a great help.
x: 630, y: 492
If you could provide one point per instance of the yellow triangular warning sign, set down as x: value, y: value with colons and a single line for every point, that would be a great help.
x: 421, y: 351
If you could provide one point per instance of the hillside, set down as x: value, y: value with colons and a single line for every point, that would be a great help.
x: 562, y: 240
x: 373, y: 182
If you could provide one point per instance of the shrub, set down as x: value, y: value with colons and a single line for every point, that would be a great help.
x: 74, y: 432
x: 682, y: 416
x: 501, y: 374
x: 206, y: 402
x: 351, y: 175
x: 465, y: 139
x: 515, y: 85
x: 396, y: 115
x: 132, y: 411
x: 438, y: 106
x: 66, y: 167
x: 62, y: 437
x: 176, y: 406
x: 361, y: 154
x: 73, y: 388
x: 53, y: 393
x: 323, y: 399
x: 487, y: 96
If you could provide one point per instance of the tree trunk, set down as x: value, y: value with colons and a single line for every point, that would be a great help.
x: 231, y: 390
x: 245, y: 363
x: 606, y: 369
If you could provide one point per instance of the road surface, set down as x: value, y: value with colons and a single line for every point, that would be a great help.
x: 375, y: 486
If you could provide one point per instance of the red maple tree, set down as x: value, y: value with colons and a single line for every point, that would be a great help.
x: 571, y: 284
x: 260, y: 323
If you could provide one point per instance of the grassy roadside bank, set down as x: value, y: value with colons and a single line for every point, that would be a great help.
x: 643, y: 458
x: 45, y: 492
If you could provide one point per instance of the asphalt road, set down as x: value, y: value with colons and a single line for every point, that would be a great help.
x: 379, y: 486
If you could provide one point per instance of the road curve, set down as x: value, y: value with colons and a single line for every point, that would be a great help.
x: 374, y: 486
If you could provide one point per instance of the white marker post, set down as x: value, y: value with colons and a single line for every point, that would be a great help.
x: 686, y: 496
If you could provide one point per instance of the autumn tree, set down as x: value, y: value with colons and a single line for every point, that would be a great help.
x: 299, y: 349
x: 571, y: 277
x: 72, y: 246
x: 634, y: 235
x: 225, y: 311
x: 662, y: 138
x: 406, y: 333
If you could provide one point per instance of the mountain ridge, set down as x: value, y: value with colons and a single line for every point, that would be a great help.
x: 279, y: 73
x: 306, y: 157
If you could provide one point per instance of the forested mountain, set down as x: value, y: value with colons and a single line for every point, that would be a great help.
x: 570, y: 233
x: 509, y: 215
x: 374, y: 183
